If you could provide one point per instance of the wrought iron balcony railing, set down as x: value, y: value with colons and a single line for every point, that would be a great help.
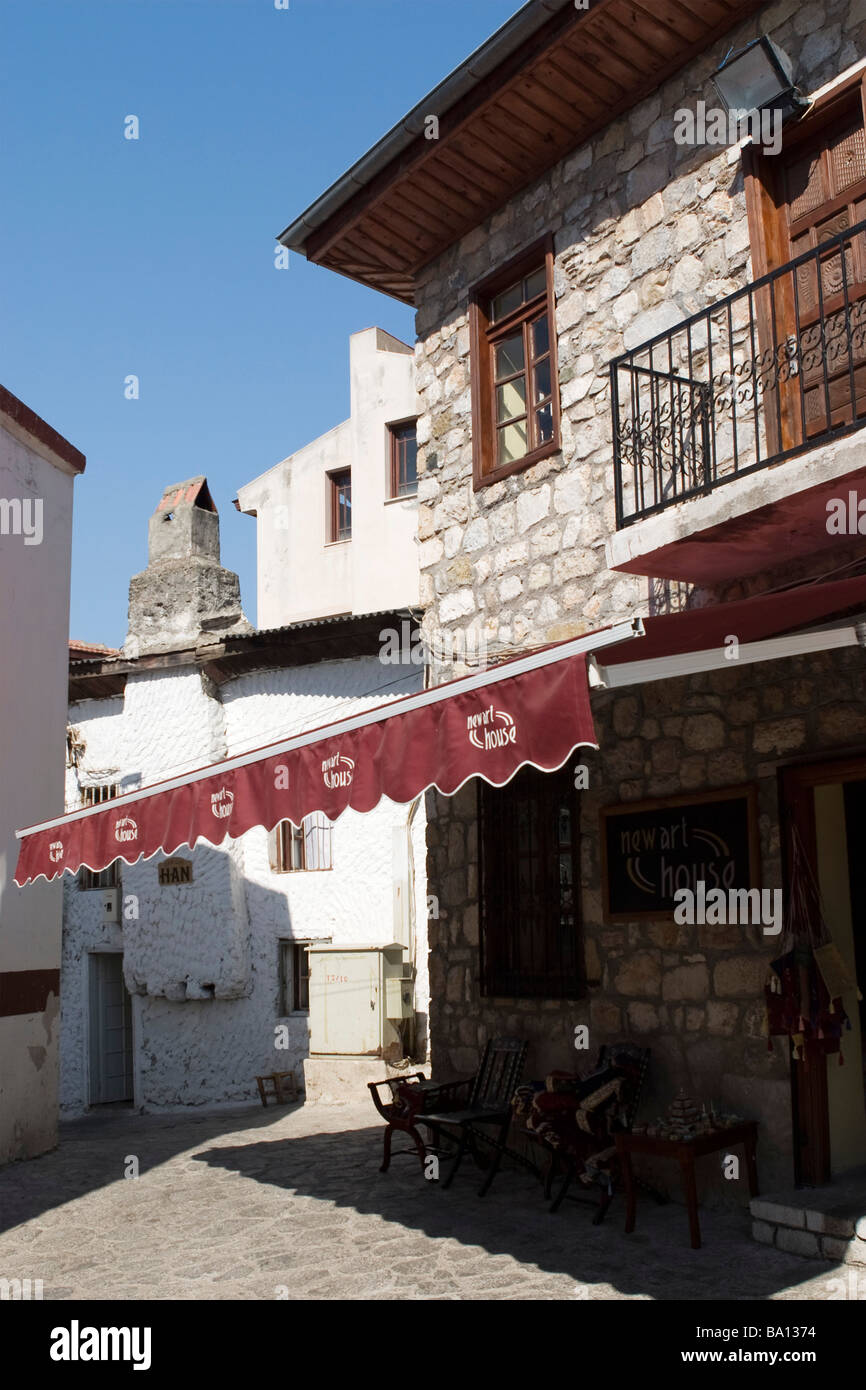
x: 775, y: 368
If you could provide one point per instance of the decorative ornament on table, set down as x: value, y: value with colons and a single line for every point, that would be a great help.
x: 683, y: 1115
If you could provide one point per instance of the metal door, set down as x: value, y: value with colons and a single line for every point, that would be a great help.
x: 345, y: 1003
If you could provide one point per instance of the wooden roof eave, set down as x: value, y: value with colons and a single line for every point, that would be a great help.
x: 631, y: 25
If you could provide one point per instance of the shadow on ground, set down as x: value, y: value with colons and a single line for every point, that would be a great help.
x: 513, y: 1220
x: 108, y: 1137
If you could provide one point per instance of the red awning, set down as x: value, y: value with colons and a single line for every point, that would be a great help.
x: 534, y: 709
x: 749, y: 620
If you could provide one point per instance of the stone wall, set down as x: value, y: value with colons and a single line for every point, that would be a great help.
x: 692, y: 994
x: 647, y: 232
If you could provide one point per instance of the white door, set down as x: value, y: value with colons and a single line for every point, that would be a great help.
x: 110, y: 1030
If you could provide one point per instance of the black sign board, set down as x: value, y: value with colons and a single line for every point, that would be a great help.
x: 649, y: 849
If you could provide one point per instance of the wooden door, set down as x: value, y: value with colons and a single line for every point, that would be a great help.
x: 825, y: 196
x: 813, y: 321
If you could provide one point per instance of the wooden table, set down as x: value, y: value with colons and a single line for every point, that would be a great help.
x: 685, y: 1152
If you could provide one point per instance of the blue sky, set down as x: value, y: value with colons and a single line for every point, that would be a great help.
x: 155, y: 257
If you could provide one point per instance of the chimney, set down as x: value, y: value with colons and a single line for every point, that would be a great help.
x: 184, y: 597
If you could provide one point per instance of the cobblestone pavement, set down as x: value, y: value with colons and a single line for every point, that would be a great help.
x: 289, y: 1202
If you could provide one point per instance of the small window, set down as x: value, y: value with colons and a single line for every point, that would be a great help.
x: 515, y: 401
x: 308, y: 846
x: 404, y: 460
x: 340, y: 505
x: 103, y: 878
x: 294, y: 978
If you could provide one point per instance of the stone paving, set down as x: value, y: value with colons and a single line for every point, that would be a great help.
x: 289, y: 1203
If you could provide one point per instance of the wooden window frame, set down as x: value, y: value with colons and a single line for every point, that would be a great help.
x: 334, y: 537
x: 286, y: 835
x: 301, y: 978
x: 294, y: 980
x: 483, y: 335
x: 571, y: 986
x: 394, y: 494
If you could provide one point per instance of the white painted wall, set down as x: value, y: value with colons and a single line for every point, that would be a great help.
x: 34, y: 630
x: 224, y: 928
x: 300, y: 573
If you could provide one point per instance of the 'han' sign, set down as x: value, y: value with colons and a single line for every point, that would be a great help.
x: 174, y: 871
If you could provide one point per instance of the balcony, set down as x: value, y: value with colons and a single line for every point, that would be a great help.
x: 734, y: 429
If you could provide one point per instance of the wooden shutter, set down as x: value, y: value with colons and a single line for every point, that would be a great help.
x: 799, y: 201
x: 317, y: 841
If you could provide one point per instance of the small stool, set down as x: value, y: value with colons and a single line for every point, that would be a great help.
x: 281, y: 1082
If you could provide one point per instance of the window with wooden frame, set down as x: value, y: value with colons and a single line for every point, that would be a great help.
x: 294, y: 964
x: 515, y: 388
x: 102, y: 878
x: 340, y: 505
x: 531, y: 940
x: 404, y: 459
x: 805, y: 202
x: 302, y: 848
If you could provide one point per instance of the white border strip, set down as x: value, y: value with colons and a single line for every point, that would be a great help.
x: 549, y: 656
x: 718, y: 658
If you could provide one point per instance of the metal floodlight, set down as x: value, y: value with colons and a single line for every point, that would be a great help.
x: 759, y: 77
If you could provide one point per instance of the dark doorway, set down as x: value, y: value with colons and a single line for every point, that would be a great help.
x: 825, y: 803
x: 855, y: 829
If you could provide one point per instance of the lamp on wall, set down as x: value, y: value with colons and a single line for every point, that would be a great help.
x: 758, y: 78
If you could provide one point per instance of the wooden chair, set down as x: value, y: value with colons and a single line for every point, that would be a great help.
x: 279, y: 1085
x: 490, y: 1093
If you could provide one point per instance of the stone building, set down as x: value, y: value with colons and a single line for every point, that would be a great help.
x: 631, y: 405
x: 186, y: 976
